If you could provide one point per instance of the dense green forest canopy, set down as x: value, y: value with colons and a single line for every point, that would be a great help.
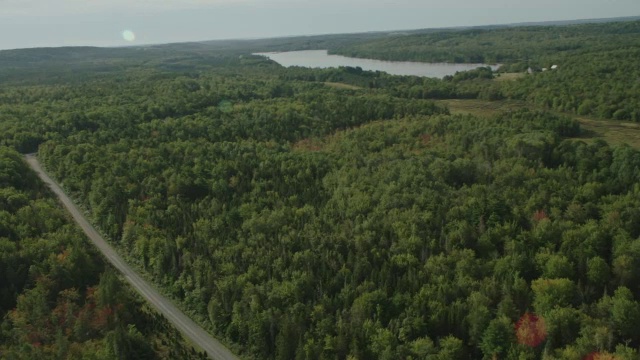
x: 304, y: 221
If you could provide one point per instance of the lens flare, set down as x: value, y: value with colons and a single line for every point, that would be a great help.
x: 128, y: 35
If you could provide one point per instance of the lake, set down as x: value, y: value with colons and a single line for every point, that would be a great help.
x: 321, y: 59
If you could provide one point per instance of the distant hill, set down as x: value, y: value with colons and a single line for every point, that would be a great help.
x: 303, y: 41
x: 47, y: 65
x: 573, y: 22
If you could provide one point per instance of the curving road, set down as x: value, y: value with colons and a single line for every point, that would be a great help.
x: 189, y: 329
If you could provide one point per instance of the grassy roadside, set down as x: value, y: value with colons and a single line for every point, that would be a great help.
x: 613, y: 132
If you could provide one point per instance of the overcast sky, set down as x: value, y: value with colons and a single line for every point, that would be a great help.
x: 35, y: 23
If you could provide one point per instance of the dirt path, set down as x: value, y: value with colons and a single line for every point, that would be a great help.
x: 189, y: 329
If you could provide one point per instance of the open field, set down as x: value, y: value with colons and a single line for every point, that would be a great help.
x: 509, y: 76
x: 481, y: 107
x: 614, y: 132
x: 338, y: 85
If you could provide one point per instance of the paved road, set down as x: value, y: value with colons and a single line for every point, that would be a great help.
x: 189, y: 329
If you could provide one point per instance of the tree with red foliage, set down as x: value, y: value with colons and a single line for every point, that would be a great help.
x: 539, y: 216
x: 531, y: 330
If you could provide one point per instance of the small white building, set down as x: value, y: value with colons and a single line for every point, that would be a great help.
x: 553, y: 67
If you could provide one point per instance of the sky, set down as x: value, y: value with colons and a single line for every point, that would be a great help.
x: 40, y: 23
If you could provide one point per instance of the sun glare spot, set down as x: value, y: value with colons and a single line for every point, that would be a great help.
x: 128, y: 35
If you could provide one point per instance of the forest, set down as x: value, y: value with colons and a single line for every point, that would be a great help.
x: 296, y: 219
x: 58, y: 300
x: 597, y: 63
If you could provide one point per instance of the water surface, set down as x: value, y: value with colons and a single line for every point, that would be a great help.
x: 321, y: 59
